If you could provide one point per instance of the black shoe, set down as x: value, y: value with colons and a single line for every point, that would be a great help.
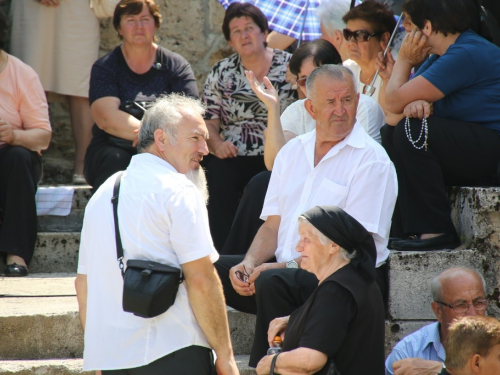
x: 15, y: 270
x: 397, y: 239
x: 445, y: 241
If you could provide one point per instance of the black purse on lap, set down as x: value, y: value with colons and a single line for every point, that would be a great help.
x: 149, y: 288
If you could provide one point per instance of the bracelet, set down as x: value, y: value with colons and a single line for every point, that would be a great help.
x: 273, y: 364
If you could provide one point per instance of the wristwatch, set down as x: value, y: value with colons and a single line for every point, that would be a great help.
x: 292, y: 264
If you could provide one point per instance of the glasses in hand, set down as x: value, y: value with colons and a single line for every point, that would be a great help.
x: 242, y: 276
x: 462, y: 308
x: 358, y: 35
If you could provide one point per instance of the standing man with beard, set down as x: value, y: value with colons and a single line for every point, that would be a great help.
x: 162, y: 218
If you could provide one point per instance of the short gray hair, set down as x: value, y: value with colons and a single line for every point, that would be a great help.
x: 330, y: 13
x: 166, y: 114
x: 326, y: 241
x: 336, y: 72
x: 437, y: 281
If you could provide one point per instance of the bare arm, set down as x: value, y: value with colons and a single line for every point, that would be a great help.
x: 261, y: 250
x: 414, y: 366
x: 81, y: 296
x: 300, y: 361
x: 400, y: 90
x: 217, y: 146
x: 275, y: 139
x: 207, y: 301
x: 32, y: 139
x: 112, y: 120
x: 278, y: 40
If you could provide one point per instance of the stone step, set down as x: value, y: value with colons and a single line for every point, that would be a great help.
x: 410, y: 274
x: 74, y: 367
x: 71, y: 223
x: 39, y: 319
x: 54, y: 252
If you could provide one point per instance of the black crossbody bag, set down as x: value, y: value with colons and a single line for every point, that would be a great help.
x: 149, y: 288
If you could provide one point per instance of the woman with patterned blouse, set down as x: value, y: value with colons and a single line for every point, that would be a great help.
x: 235, y: 117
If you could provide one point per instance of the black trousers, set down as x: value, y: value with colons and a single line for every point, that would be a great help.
x: 102, y: 161
x: 20, y: 172
x: 187, y: 361
x: 247, y: 220
x: 278, y: 292
x: 226, y: 180
x: 458, y: 153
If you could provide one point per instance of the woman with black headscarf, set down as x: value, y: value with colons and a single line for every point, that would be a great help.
x: 341, y: 326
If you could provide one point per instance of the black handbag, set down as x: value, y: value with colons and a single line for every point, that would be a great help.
x: 136, y: 109
x: 149, y: 288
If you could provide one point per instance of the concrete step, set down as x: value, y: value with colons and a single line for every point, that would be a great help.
x: 54, y: 252
x: 71, y: 223
x: 74, y: 367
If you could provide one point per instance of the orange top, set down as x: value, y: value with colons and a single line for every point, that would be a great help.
x: 22, y: 101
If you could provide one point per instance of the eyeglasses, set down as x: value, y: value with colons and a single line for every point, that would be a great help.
x: 358, y: 35
x: 462, y: 308
x: 242, y: 276
x: 301, y: 81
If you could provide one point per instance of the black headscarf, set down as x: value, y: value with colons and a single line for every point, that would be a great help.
x: 348, y: 233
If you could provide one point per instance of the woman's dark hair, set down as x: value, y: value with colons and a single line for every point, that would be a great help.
x: 378, y: 15
x: 320, y: 50
x: 237, y: 10
x: 445, y: 16
x: 126, y: 7
x: 4, y: 29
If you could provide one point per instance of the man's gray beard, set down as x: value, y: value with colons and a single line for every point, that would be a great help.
x: 197, y: 177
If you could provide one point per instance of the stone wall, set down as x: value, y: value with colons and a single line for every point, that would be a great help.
x: 191, y: 28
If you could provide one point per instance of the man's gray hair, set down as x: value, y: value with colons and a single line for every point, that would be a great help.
x: 166, y: 114
x: 325, y: 240
x: 330, y: 13
x: 437, y: 281
x: 336, y: 72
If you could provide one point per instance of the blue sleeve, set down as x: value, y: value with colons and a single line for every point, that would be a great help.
x: 183, y: 77
x: 451, y: 72
x: 400, y: 351
x: 102, y: 81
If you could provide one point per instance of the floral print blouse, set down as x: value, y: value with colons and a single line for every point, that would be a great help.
x: 230, y: 98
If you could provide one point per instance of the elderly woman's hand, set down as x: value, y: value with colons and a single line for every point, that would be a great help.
x: 419, y: 109
x: 413, y: 50
x: 7, y: 134
x: 385, y: 65
x: 277, y: 327
x: 226, y: 150
x: 268, y: 95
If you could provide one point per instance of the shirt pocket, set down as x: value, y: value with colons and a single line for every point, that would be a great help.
x: 329, y: 193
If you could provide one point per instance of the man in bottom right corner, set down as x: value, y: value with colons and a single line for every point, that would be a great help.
x: 456, y: 293
x: 473, y: 347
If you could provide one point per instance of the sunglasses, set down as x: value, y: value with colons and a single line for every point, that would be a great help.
x: 358, y: 35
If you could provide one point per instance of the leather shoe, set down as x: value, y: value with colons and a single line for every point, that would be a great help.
x: 16, y: 270
x: 445, y: 241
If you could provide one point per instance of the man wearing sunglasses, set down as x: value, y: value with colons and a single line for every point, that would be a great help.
x: 456, y: 293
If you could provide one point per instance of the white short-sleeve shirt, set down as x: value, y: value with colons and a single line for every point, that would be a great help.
x: 355, y: 175
x: 297, y: 120
x: 162, y: 217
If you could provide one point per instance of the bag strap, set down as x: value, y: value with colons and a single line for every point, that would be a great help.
x: 118, y: 239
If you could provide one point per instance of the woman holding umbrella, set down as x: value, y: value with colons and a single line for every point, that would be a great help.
x: 342, y: 324
x: 235, y: 117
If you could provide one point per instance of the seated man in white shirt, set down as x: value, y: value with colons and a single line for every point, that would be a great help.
x: 456, y: 292
x: 336, y: 164
x: 294, y: 121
